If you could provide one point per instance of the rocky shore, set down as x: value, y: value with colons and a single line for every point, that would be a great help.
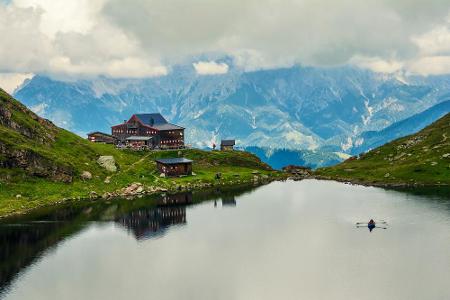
x: 137, y: 189
x: 391, y: 185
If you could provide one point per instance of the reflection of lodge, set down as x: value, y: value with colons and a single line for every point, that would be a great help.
x: 228, y: 200
x: 171, y: 199
x: 147, y: 223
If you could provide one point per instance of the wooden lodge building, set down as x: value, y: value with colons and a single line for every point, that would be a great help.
x: 149, y: 130
x: 174, y: 166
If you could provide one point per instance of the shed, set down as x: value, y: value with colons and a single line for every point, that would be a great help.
x: 227, y: 145
x: 101, y: 137
x: 174, y: 166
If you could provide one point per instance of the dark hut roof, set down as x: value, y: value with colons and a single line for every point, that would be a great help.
x: 173, y: 161
x: 228, y: 142
x: 152, y: 119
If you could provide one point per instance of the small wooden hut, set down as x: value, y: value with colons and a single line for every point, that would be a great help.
x: 174, y: 166
x: 227, y: 145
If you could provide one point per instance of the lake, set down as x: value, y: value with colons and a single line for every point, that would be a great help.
x: 285, y: 240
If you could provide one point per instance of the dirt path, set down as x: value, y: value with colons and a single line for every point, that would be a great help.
x: 130, y: 166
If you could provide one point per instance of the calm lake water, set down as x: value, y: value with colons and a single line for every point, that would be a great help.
x: 286, y: 240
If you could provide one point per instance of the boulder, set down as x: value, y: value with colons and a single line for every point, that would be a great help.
x: 133, y: 189
x: 86, y: 175
x: 107, y: 162
x: 107, y: 180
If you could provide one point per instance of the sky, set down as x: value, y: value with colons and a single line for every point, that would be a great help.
x: 144, y: 38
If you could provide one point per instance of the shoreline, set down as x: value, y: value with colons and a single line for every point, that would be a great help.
x: 154, y: 191
x: 391, y: 185
x: 136, y: 192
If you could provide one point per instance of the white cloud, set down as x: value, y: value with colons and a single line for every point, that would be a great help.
x: 431, y: 65
x: 35, y: 39
x: 11, y: 81
x: 377, y: 64
x: 65, y: 16
x: 39, y: 109
x: 139, y: 38
x: 210, y: 68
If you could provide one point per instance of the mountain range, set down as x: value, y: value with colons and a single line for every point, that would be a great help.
x: 321, y: 110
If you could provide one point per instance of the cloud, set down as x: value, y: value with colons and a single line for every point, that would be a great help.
x: 11, y: 81
x: 140, y: 38
x: 35, y: 39
x: 377, y: 64
x: 210, y: 68
x: 431, y: 65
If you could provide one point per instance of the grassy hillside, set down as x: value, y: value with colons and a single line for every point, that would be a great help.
x: 42, y: 164
x: 419, y: 159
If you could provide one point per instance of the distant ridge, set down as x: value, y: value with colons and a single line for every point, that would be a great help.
x: 373, y: 139
x: 419, y: 159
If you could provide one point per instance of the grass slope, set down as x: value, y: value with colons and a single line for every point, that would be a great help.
x: 63, y: 151
x: 419, y: 159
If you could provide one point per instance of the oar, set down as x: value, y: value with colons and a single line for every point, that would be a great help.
x: 381, y: 222
x: 374, y: 227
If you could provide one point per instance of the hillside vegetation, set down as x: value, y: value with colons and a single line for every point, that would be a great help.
x: 42, y: 164
x: 419, y: 159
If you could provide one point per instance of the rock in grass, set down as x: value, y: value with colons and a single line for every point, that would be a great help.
x: 107, y: 162
x: 86, y: 175
x: 133, y: 189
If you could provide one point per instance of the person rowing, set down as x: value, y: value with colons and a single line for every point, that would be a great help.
x: 371, y: 224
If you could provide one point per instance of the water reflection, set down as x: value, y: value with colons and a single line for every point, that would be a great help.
x: 22, y: 242
x: 283, y: 241
x: 229, y: 200
x: 25, y: 239
x: 149, y: 223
